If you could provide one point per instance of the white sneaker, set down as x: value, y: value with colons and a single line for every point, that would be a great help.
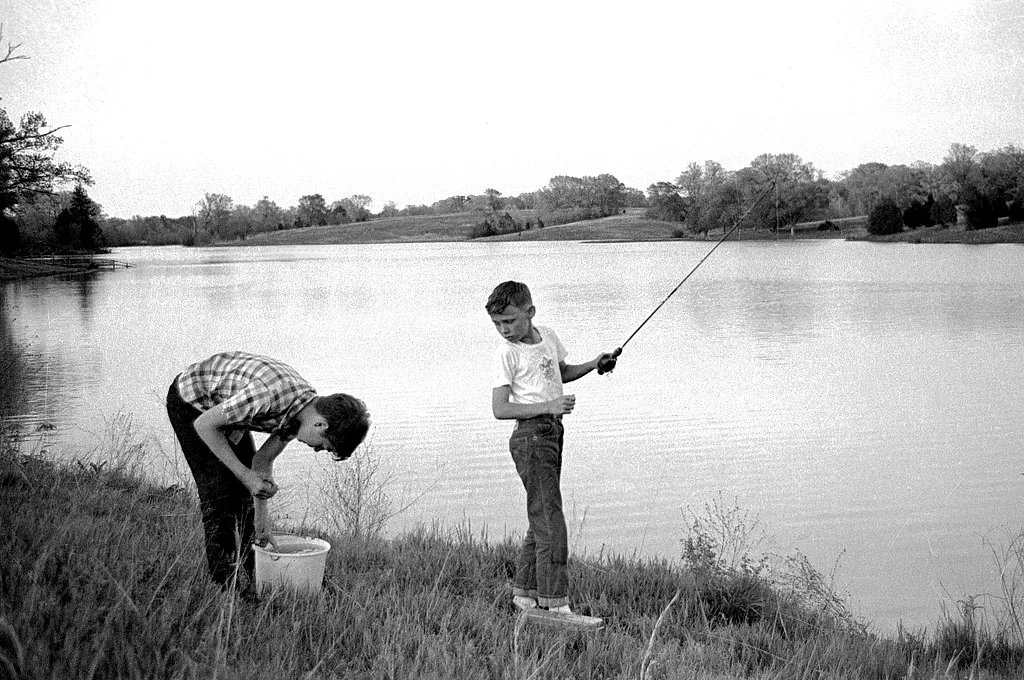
x: 523, y: 603
x: 564, y: 609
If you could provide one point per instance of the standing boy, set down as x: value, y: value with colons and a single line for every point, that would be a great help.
x: 529, y: 370
x: 215, y: 405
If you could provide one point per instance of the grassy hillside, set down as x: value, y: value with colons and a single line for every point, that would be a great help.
x: 631, y: 226
x: 454, y: 227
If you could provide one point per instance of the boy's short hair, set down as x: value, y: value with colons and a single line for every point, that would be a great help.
x: 509, y: 293
x: 347, y: 422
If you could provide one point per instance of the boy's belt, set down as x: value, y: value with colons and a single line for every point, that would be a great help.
x: 544, y: 417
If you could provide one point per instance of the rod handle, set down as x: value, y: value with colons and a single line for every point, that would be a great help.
x: 606, y: 364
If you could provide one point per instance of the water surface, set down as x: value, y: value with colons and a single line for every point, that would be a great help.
x: 863, y: 400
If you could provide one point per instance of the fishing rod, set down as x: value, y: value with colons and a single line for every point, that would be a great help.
x: 607, y: 364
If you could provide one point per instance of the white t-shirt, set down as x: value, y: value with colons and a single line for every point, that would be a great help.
x: 531, y: 371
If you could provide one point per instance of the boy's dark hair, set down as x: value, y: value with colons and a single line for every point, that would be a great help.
x: 347, y: 422
x: 508, y: 293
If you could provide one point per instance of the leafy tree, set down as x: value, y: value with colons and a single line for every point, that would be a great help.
x: 268, y: 215
x: 28, y: 169
x: 943, y: 211
x: 356, y: 207
x: 312, y: 210
x: 665, y: 203
x: 799, y: 189
x: 961, y: 172
x: 452, y: 204
x: 494, y: 200
x: 885, y: 218
x: 212, y: 215
x: 919, y: 213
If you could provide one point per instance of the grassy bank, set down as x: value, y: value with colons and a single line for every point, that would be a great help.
x: 102, y: 576
x: 13, y: 268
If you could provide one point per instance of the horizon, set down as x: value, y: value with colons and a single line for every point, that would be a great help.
x: 413, y: 104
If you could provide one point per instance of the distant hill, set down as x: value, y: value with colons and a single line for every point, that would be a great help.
x: 633, y: 225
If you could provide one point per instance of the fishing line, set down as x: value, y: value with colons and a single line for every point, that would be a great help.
x: 607, y: 365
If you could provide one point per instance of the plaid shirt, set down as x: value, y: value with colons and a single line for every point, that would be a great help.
x: 255, y: 392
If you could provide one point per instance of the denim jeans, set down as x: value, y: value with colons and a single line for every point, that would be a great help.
x: 541, y: 572
x: 225, y: 503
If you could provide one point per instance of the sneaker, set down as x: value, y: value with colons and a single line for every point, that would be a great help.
x: 564, y: 609
x: 523, y: 603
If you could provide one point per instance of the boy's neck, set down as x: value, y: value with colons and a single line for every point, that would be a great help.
x: 533, y: 337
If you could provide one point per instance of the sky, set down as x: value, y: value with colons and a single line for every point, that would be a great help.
x: 412, y: 102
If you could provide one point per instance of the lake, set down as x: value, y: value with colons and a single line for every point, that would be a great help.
x: 861, y: 401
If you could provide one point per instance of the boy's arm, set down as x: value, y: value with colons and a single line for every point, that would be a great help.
x: 263, y: 460
x: 572, y: 372
x: 504, y: 409
x: 208, y: 427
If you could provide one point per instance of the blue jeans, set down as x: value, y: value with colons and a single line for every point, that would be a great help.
x: 226, y: 504
x: 541, y: 572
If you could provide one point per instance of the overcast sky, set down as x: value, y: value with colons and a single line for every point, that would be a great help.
x: 412, y: 102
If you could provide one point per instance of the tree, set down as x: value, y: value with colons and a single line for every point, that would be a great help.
x: 665, y: 203
x: 213, y: 213
x: 799, y: 189
x: 493, y: 199
x: 268, y: 215
x: 452, y: 204
x: 710, y: 193
x: 312, y: 210
x: 356, y: 207
x: 885, y: 218
x: 76, y: 227
x: 28, y: 169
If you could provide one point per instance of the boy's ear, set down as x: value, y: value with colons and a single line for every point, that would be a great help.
x: 531, y: 311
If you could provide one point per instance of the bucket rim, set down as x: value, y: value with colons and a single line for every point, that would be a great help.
x: 319, y: 546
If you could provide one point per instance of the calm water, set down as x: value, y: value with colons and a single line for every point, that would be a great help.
x: 863, y: 400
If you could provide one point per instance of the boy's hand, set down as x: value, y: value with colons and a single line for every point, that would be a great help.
x: 260, y: 486
x: 606, y: 362
x: 563, y: 405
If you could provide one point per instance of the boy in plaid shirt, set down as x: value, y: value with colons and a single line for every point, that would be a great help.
x: 214, y: 406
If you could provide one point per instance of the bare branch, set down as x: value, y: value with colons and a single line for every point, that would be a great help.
x: 38, y: 135
x: 11, y: 49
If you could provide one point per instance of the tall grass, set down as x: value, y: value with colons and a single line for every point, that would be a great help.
x: 102, y: 576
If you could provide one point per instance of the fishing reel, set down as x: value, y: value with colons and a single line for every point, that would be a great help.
x: 607, y: 363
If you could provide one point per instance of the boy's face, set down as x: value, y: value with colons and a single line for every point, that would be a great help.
x: 313, y: 433
x: 515, y: 324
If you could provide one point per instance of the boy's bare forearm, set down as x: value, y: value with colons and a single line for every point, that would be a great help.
x: 572, y: 372
x: 512, y: 411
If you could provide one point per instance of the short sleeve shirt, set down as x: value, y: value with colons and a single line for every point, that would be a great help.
x: 531, y: 371
x: 255, y: 392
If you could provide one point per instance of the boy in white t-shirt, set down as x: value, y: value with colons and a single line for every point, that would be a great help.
x: 529, y: 371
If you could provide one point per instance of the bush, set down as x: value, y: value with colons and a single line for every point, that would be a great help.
x: 943, y: 212
x: 982, y: 210
x: 827, y: 225
x: 1015, y: 211
x: 919, y: 214
x: 494, y: 224
x: 885, y: 218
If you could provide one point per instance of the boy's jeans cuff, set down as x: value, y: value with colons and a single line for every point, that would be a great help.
x: 524, y: 592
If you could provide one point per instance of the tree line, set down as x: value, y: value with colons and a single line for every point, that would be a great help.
x: 44, y: 206
x: 969, y: 187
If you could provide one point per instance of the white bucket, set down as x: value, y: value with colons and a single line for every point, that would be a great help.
x: 298, y: 563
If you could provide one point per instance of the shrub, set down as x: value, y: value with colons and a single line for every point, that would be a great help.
x: 982, y: 210
x: 943, y: 211
x: 919, y: 214
x: 827, y: 225
x: 885, y: 218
